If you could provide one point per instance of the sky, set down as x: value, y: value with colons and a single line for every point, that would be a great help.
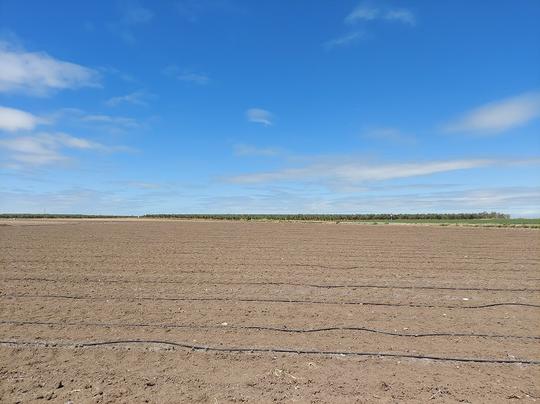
x: 271, y: 106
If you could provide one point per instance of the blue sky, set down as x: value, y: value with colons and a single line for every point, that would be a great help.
x: 226, y: 106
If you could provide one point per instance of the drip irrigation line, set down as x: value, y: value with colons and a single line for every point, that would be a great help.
x: 271, y: 283
x: 254, y: 300
x: 274, y: 350
x: 264, y: 328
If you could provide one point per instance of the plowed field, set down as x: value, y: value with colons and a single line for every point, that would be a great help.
x: 171, y: 311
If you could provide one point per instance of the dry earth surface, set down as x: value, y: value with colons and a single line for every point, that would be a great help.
x: 192, y: 311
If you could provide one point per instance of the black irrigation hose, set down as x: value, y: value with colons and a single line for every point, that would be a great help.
x: 253, y: 300
x: 206, y: 348
x: 263, y: 328
x: 310, y: 285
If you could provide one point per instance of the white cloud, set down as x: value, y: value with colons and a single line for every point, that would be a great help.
x: 259, y: 116
x: 353, y: 173
x: 188, y: 76
x: 118, y: 73
x: 46, y: 148
x: 13, y: 120
x: 141, y: 185
x: 78, y: 199
x: 135, y: 98
x: 79, y: 119
x: 246, y: 150
x: 499, y: 116
x: 193, y: 10
x: 30, y: 151
x: 400, y: 15
x: 363, y: 12
x: 391, y: 135
x: 343, y: 40
x: 368, y: 12
x: 111, y: 120
x: 132, y: 15
x: 196, y: 78
x: 38, y: 73
x: 519, y: 201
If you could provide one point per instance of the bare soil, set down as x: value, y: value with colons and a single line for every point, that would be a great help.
x: 206, y: 311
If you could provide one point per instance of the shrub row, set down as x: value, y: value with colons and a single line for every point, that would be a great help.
x: 344, y: 217
x: 335, y: 217
x: 56, y: 216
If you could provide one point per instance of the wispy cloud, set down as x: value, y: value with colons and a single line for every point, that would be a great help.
x: 343, y: 40
x: 499, y: 116
x: 136, y: 98
x: 362, y: 12
x: 133, y: 14
x: 192, y: 10
x: 186, y: 75
x: 141, y: 185
x: 37, y: 73
x: 355, y: 173
x: 12, y: 120
x: 111, y: 120
x: 247, y: 150
x: 46, y: 148
x: 118, y: 73
x: 75, y: 199
x: 519, y: 201
x: 400, y: 15
x: 371, y: 11
x: 391, y: 135
x: 259, y: 115
x: 77, y: 119
x: 197, y: 78
x: 21, y: 147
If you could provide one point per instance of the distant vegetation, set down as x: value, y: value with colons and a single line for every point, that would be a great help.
x: 57, y: 216
x: 338, y: 217
x: 334, y: 217
x: 443, y: 219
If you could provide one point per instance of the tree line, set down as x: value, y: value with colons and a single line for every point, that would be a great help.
x: 261, y: 216
x: 343, y: 217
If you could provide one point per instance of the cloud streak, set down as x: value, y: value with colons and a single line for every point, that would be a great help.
x: 187, y: 76
x: 390, y: 135
x: 77, y: 119
x: 250, y: 151
x: 366, y: 11
x: 135, y: 98
x: 193, y: 10
x: 369, y: 12
x: 344, y: 40
x: 13, y: 120
x: 499, y: 116
x: 196, y: 78
x: 132, y: 16
x: 118, y: 121
x: 355, y: 173
x: 46, y: 149
x: 259, y: 115
x: 37, y: 73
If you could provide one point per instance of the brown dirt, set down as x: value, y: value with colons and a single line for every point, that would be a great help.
x: 177, y: 296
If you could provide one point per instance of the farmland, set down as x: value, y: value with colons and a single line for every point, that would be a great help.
x: 215, y: 311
